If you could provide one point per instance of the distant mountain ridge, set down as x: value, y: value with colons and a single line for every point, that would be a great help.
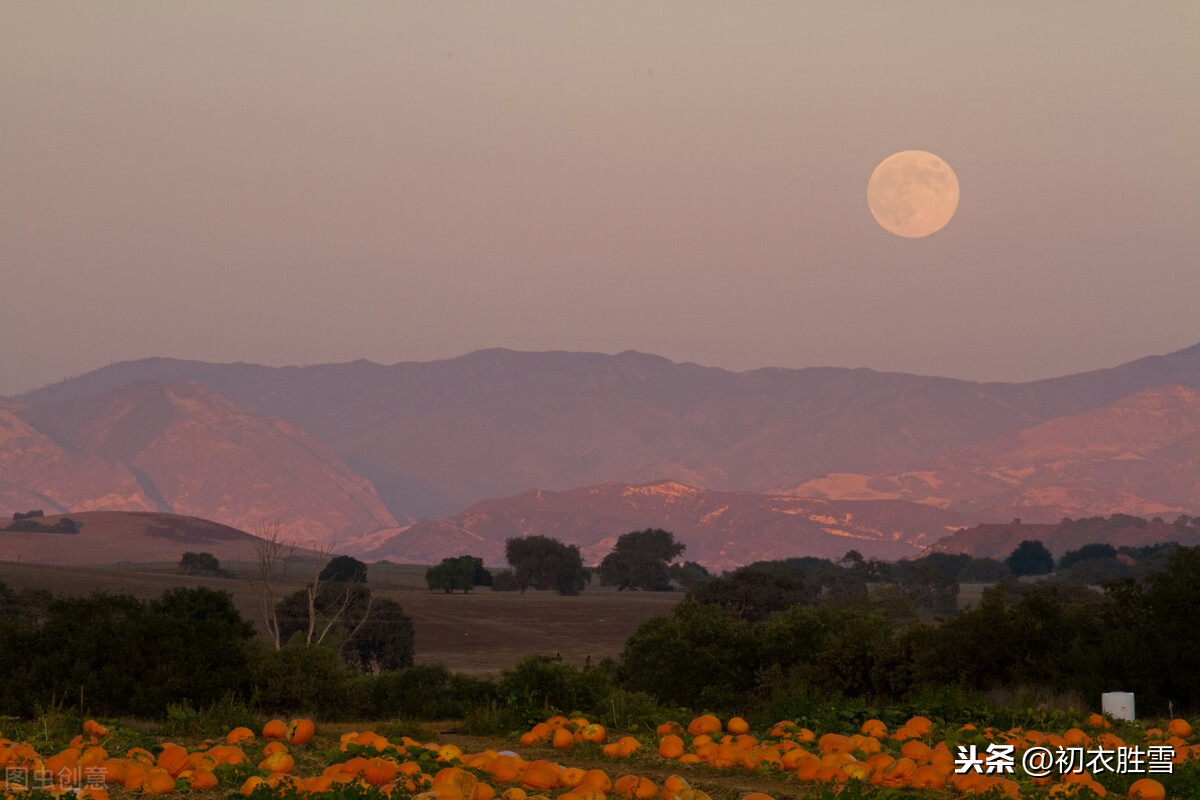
x: 720, y: 529
x: 346, y: 449
x: 183, y: 449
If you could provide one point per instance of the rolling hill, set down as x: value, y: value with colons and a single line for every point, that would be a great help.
x: 341, y: 451
x: 721, y: 529
x: 108, y: 537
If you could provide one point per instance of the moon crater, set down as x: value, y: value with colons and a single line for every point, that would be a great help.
x: 913, y: 193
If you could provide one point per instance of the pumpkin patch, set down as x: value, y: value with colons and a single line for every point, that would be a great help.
x: 673, y: 763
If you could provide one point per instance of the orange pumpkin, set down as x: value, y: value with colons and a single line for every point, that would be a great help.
x: 202, y: 779
x: 95, y: 729
x: 159, y: 781
x: 239, y: 735
x: 275, y: 729
x: 1147, y: 789
x: 280, y: 763
x: 670, y: 746
x: 592, y: 732
x: 301, y: 731
x: 379, y: 771
x: 173, y: 760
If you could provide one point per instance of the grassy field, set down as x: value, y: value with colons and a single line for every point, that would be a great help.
x: 479, y: 633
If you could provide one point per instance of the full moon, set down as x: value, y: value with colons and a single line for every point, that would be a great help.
x: 913, y: 193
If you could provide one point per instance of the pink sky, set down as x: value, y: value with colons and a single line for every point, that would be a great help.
x: 290, y: 183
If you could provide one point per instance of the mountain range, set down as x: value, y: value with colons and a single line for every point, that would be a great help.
x: 414, y: 460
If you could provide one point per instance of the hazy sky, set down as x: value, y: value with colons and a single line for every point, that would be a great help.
x: 291, y: 183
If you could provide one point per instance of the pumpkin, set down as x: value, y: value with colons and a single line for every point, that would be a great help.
x: 737, y: 726
x: 95, y: 729
x: 173, y: 760
x: 275, y: 729
x: 592, y: 732
x: 1147, y: 789
x: 280, y: 763
x: 670, y: 746
x: 1179, y: 727
x: 379, y: 771
x: 239, y: 735
x: 202, y: 779
x: 301, y: 731
x: 159, y: 781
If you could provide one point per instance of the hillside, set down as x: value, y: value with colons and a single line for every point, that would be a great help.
x: 339, y: 451
x: 721, y: 529
x: 999, y: 540
x: 108, y: 537
x: 183, y: 448
x: 1140, y: 455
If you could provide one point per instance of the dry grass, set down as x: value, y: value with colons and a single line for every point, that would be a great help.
x: 479, y: 633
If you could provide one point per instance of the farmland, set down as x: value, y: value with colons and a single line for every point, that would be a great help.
x: 477, y: 634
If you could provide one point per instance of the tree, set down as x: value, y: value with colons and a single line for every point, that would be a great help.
x: 273, y: 557
x: 698, y: 656
x: 753, y: 592
x: 1030, y: 558
x: 929, y: 586
x: 367, y: 632
x: 688, y: 574
x: 344, y: 569
x: 639, y: 560
x: 205, y: 564
x: 984, y: 570
x: 1088, y: 551
x: 461, y: 574
x: 540, y: 562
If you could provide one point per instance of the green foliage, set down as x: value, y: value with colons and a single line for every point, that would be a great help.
x: 540, y: 562
x: 699, y: 656
x: 370, y: 633
x: 543, y: 684
x: 205, y: 564
x: 383, y: 641
x: 63, y: 525
x: 1030, y: 558
x: 753, y: 592
x: 1088, y: 551
x: 1096, y: 571
x: 351, y: 790
x: 300, y: 679
x: 125, y: 656
x: 688, y: 574
x: 983, y: 570
x: 505, y: 580
x: 639, y: 560
x: 344, y: 569
x: 950, y: 563
x: 427, y: 692
x: 461, y: 574
x: 214, y: 720
x: 929, y: 582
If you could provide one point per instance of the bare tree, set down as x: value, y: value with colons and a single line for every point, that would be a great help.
x: 335, y: 607
x: 273, y: 554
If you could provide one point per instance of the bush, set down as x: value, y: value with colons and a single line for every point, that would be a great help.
x: 504, y: 580
x: 699, y: 657
x: 541, y: 684
x: 299, y: 679
x: 427, y: 692
x: 126, y: 656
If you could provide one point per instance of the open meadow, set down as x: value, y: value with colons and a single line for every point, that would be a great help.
x: 479, y: 633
